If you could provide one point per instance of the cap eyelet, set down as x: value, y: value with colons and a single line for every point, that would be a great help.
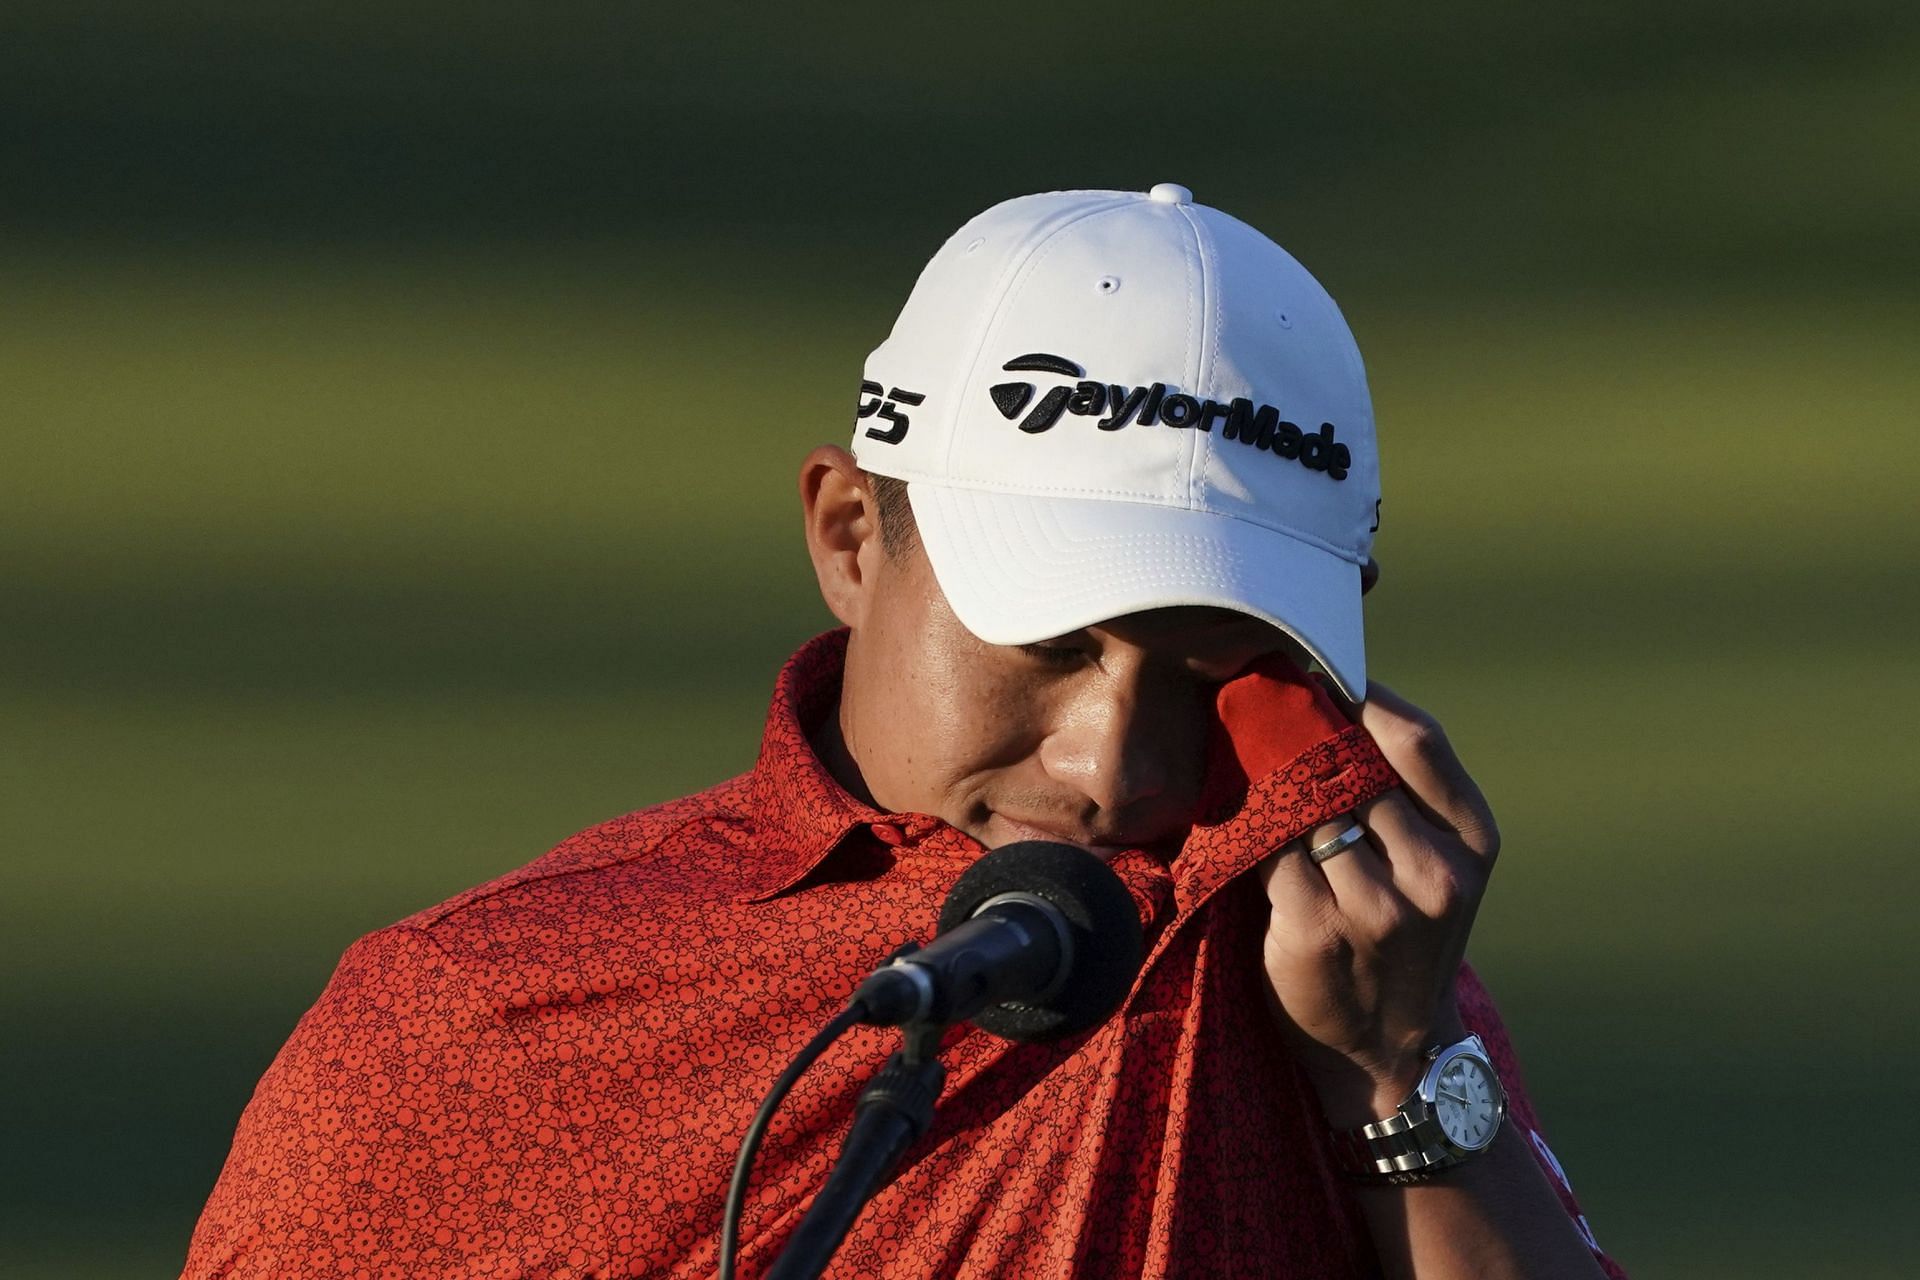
x: 1107, y: 284
x: 1286, y: 321
x: 976, y: 244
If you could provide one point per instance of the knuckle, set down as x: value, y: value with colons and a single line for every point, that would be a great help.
x: 1329, y: 944
x: 1421, y: 735
x: 1428, y: 738
x: 1482, y: 837
x: 1333, y: 951
x: 1395, y: 917
x: 1448, y: 896
x: 1449, y: 889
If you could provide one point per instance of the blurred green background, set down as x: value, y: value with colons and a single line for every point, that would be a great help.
x: 398, y: 418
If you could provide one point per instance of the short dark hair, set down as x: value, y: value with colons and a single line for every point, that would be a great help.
x: 898, y: 533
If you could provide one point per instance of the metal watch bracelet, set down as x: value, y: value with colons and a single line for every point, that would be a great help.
x: 1413, y: 1144
x: 1396, y: 1149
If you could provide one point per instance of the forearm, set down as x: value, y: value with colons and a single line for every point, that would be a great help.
x: 1367, y: 926
x: 1494, y: 1218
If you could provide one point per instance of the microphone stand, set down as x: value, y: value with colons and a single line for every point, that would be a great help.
x: 893, y: 1111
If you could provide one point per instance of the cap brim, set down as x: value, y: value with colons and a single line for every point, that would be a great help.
x: 1018, y: 568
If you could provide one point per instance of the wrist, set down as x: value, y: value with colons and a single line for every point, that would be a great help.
x: 1451, y: 1115
x: 1363, y: 1094
x: 1358, y: 1091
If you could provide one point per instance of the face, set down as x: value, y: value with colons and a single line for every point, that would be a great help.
x: 1097, y: 738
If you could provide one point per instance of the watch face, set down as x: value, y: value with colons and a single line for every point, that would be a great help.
x: 1467, y: 1103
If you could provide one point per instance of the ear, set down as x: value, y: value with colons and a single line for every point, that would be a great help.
x: 843, y: 531
x: 1369, y: 574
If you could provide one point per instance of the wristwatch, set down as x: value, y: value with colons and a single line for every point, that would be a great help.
x: 1450, y: 1117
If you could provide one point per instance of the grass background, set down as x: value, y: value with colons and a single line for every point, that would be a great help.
x: 398, y: 418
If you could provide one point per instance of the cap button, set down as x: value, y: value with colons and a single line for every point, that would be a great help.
x: 1170, y: 193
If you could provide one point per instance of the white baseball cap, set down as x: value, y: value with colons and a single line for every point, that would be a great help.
x: 1110, y: 401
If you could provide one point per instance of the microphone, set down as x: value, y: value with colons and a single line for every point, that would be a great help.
x: 1037, y: 941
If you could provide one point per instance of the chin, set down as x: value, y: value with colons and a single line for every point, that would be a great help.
x: 1000, y: 830
x: 1006, y: 831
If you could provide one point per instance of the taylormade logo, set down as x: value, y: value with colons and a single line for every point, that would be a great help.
x: 1115, y: 406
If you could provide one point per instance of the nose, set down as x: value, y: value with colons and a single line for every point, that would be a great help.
x: 1131, y: 745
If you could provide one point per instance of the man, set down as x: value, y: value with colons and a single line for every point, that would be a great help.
x: 1113, y: 482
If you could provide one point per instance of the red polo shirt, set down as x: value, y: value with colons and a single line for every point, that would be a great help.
x: 549, y: 1075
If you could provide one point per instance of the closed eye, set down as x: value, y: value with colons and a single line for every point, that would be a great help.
x: 1054, y: 655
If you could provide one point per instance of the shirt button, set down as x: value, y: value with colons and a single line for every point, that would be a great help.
x: 886, y: 834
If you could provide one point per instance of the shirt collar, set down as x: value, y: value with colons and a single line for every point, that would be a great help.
x: 791, y: 795
x: 800, y: 814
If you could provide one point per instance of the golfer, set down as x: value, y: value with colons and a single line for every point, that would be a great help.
x: 1099, y: 548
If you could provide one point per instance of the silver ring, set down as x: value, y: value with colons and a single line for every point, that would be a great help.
x: 1339, y: 844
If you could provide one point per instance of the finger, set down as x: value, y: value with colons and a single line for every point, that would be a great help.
x: 1361, y: 882
x: 1298, y: 894
x: 1426, y: 862
x: 1416, y: 746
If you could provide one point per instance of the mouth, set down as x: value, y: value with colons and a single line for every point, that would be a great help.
x: 1013, y: 830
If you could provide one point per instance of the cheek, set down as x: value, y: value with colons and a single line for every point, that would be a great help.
x: 976, y: 717
x: 959, y: 727
x: 951, y: 712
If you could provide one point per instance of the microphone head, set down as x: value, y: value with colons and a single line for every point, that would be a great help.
x: 1101, y: 918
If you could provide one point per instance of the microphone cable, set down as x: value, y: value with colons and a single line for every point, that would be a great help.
x: 1099, y: 936
x: 823, y: 1039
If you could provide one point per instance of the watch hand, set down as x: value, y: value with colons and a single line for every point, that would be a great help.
x: 1457, y: 1097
